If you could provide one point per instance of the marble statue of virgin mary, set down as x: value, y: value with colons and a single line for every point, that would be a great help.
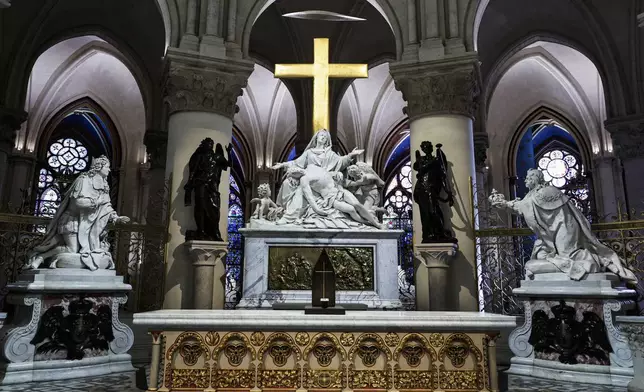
x: 309, y: 176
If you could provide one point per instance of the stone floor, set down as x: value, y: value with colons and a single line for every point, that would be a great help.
x: 134, y: 382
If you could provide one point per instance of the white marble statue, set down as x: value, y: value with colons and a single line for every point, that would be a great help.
x: 366, y: 185
x: 266, y: 208
x: 564, y: 242
x: 76, y: 236
x: 313, y: 193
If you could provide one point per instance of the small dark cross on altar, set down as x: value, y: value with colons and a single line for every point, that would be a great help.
x: 323, y: 288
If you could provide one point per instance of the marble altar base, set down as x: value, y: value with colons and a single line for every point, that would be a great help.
x: 262, y: 270
x: 255, y: 350
x: 37, y: 291
x: 602, y: 294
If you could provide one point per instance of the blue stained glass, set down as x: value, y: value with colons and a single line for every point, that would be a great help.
x: 235, y: 256
x: 233, y: 183
x: 398, y: 200
x: 291, y: 154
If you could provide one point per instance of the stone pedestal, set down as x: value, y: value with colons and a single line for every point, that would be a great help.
x: 432, y: 265
x: 633, y: 328
x: 209, y: 262
x: 278, y: 264
x: 594, y: 302
x: 36, y: 348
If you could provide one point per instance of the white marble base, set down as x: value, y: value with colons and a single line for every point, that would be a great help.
x: 296, y: 320
x: 633, y: 327
x: 603, y: 292
x: 586, y: 374
x: 37, y: 290
x: 18, y: 373
x: 256, y: 293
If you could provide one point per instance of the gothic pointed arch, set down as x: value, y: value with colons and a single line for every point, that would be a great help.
x: 548, y: 142
x: 74, y: 136
x: 545, y: 114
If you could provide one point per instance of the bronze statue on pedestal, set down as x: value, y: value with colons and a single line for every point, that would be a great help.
x: 431, y: 182
x: 205, y: 168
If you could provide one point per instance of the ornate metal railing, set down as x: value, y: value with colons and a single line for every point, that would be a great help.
x: 406, y: 286
x: 138, y: 252
x: 504, y: 245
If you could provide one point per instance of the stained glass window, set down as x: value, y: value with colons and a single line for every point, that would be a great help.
x: 235, y: 256
x: 558, y: 167
x: 65, y: 159
x: 398, y: 200
x: 398, y: 197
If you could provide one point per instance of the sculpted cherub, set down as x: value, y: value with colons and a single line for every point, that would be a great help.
x: 266, y: 208
x: 365, y: 184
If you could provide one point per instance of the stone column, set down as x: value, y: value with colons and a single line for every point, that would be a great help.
x: 431, y: 268
x: 10, y: 121
x: 21, y: 180
x: 201, y: 95
x: 440, y: 99
x: 628, y: 139
x: 209, y: 262
x: 607, y: 186
x: 156, y: 144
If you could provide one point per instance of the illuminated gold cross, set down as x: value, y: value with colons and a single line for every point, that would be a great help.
x: 321, y: 71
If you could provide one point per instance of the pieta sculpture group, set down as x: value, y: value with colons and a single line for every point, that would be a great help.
x: 322, y: 189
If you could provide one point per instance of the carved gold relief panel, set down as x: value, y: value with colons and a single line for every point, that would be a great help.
x: 291, y: 267
x: 244, y: 361
x: 415, y: 364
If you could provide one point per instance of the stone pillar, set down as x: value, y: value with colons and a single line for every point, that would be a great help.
x: 201, y: 95
x: 633, y: 328
x: 607, y: 186
x: 628, y: 139
x: 431, y: 274
x: 10, y: 121
x: 440, y: 99
x: 21, y: 180
x: 156, y: 144
x: 209, y: 262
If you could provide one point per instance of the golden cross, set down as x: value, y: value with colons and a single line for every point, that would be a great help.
x: 321, y: 71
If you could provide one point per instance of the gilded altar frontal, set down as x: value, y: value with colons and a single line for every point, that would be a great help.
x: 291, y: 267
x: 347, y: 361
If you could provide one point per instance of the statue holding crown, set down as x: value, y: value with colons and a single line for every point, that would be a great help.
x: 76, y: 236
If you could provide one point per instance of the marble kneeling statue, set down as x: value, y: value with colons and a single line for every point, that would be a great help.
x: 77, y: 237
x: 564, y: 242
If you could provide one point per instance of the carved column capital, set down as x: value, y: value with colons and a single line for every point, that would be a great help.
x: 628, y: 136
x: 193, y: 83
x: 156, y: 145
x: 435, y: 255
x: 10, y: 121
x: 207, y: 253
x: 445, y: 87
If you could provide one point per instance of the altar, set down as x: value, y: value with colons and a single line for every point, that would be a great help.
x: 255, y: 350
x: 279, y: 262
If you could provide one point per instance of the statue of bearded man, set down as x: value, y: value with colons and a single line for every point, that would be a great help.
x: 76, y: 236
